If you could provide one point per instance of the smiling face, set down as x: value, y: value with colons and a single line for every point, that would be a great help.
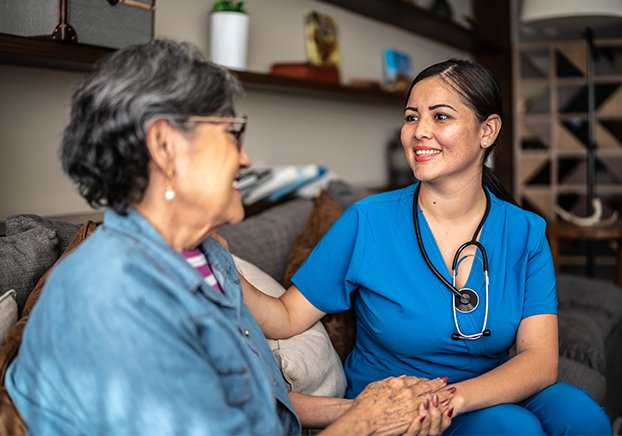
x: 441, y: 136
x: 207, y: 170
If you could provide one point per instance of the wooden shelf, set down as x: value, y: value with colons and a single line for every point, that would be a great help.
x: 582, y: 189
x: 18, y: 50
x: 583, y: 117
x: 281, y: 83
x: 601, y: 153
x: 423, y: 22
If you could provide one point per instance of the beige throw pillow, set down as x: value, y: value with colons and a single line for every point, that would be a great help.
x: 308, y: 361
x: 8, y: 313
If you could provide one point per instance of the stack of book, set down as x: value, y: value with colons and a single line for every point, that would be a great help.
x: 275, y: 182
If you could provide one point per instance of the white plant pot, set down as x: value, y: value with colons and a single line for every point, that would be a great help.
x: 229, y: 39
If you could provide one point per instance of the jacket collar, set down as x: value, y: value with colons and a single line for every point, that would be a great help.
x: 136, y: 227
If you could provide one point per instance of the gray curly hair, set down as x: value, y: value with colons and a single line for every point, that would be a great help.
x: 103, y: 148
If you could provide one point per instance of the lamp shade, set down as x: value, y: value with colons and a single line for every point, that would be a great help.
x: 568, y: 14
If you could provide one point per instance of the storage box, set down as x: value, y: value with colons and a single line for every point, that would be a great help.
x: 114, y: 23
x: 305, y: 70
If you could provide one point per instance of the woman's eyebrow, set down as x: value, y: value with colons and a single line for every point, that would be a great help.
x: 408, y: 108
x: 441, y: 105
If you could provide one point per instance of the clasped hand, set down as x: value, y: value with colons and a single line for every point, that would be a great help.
x: 405, y: 405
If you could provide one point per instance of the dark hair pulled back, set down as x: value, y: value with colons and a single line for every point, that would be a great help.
x: 478, y: 89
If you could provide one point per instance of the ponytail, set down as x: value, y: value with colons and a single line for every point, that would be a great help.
x: 494, y: 185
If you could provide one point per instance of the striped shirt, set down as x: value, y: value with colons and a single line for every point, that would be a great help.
x: 199, y: 262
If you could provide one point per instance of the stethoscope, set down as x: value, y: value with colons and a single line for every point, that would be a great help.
x: 465, y: 300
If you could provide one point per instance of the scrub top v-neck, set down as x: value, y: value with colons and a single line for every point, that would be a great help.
x: 404, y: 312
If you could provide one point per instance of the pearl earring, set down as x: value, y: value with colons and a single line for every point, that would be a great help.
x: 169, y: 194
x: 485, y: 144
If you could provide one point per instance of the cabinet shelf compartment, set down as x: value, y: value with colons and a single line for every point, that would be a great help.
x: 407, y: 16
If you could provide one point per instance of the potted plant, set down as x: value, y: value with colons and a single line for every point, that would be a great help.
x: 229, y: 33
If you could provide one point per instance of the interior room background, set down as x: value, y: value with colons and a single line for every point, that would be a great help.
x: 348, y: 136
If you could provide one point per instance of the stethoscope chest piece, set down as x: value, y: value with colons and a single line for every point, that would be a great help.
x: 467, y: 302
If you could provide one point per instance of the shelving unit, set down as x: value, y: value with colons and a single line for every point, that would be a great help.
x: 77, y: 57
x: 489, y: 44
x: 19, y: 50
x: 412, y: 18
x: 550, y: 152
x: 284, y: 84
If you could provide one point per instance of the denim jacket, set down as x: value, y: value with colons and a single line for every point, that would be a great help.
x: 127, y: 338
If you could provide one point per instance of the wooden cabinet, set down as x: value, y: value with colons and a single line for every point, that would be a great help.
x: 550, y: 151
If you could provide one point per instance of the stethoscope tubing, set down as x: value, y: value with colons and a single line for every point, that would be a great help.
x: 452, y: 286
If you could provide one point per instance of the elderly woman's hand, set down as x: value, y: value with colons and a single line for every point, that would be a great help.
x: 403, y: 405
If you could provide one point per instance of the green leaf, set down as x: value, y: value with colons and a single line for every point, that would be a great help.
x: 229, y: 6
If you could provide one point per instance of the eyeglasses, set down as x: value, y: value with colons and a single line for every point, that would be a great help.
x: 239, y: 126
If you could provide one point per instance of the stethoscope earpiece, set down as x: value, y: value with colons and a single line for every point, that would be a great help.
x: 465, y: 300
x: 456, y: 336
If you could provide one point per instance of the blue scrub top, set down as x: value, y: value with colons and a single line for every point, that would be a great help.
x: 404, y: 312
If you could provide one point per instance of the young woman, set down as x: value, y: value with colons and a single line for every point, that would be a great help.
x: 448, y: 274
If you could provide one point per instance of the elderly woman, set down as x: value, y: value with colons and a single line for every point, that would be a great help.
x: 143, y: 328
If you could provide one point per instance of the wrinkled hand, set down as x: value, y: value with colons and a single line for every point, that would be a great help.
x: 398, y: 405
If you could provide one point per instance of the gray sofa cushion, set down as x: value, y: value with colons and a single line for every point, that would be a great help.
x: 589, y: 309
x: 574, y: 291
x: 24, y: 258
x: 581, y: 338
x: 65, y: 231
x: 583, y: 377
x: 346, y: 194
x: 266, y: 239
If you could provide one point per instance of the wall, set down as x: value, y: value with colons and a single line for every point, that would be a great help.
x: 285, y: 128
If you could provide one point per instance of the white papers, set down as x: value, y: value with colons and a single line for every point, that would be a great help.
x: 276, y: 182
x: 281, y: 176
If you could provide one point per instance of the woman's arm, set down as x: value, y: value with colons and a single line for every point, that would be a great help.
x: 318, y: 412
x: 280, y: 318
x: 532, y: 369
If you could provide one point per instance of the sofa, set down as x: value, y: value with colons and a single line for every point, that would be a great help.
x: 268, y: 248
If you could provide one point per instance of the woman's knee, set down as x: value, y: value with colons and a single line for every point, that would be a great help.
x: 564, y: 409
x: 561, y: 409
